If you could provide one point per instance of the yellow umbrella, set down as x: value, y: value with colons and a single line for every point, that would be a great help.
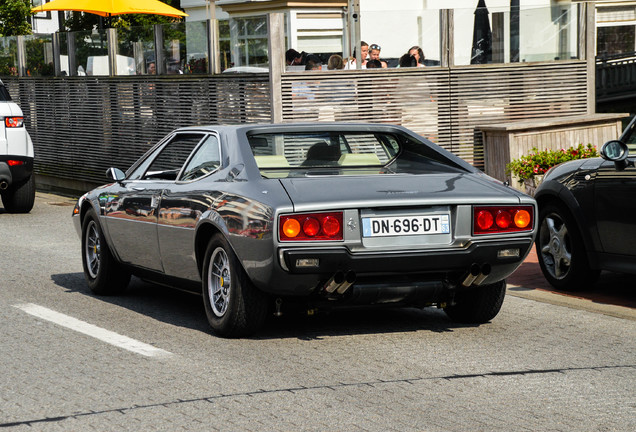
x: 111, y: 7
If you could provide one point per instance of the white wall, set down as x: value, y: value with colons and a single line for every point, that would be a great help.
x: 416, y: 22
x: 45, y: 25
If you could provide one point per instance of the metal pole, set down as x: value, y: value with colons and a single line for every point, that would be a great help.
x: 214, y: 66
x: 357, y: 40
x: 56, y: 53
x: 22, y: 71
x: 514, y: 31
x: 276, y: 46
x: 72, y: 59
x: 111, y: 41
x: 160, y: 64
x: 590, y: 54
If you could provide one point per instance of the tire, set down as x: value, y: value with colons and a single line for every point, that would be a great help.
x: 561, y: 251
x: 105, y: 276
x: 20, y: 198
x: 233, y: 305
x: 478, y: 305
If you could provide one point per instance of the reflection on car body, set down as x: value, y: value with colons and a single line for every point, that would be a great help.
x: 249, y: 214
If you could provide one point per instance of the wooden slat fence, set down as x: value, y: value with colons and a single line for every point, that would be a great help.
x: 444, y: 105
x: 82, y: 125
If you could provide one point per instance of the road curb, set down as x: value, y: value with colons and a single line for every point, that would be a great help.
x: 572, y: 302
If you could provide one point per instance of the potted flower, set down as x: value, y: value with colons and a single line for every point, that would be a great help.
x: 529, y: 169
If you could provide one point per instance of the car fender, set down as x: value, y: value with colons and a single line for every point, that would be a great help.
x: 208, y: 224
x: 92, y: 202
x: 555, y: 191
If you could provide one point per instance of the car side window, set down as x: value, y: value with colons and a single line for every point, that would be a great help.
x: 206, y: 159
x: 167, y: 164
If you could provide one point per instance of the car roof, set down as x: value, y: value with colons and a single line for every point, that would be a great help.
x: 298, y: 127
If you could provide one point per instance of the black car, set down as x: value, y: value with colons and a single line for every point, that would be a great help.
x: 587, y: 216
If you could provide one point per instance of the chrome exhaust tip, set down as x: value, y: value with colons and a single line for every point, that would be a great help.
x: 4, y: 185
x: 350, y: 278
x: 472, y: 275
x: 336, y: 280
x: 484, y: 272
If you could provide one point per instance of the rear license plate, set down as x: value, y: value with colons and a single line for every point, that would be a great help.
x: 406, y: 225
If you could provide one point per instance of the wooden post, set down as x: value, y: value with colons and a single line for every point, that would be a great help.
x: 447, y: 39
x: 276, y: 45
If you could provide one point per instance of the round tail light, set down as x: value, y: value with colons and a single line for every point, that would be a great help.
x: 330, y: 226
x: 484, y: 219
x: 503, y: 219
x: 522, y: 218
x: 291, y: 228
x: 311, y: 227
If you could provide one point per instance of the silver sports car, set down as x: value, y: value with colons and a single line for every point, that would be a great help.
x: 254, y: 216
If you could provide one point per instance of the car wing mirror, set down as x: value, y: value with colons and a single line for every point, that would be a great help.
x: 617, y: 152
x: 115, y: 174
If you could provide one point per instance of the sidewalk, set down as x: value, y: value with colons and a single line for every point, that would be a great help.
x: 612, y: 295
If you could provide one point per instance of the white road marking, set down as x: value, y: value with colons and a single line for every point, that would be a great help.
x: 93, y: 331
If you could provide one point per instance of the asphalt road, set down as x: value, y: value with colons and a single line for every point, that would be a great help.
x: 72, y: 361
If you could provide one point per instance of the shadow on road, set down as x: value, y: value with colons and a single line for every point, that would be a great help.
x: 184, y: 309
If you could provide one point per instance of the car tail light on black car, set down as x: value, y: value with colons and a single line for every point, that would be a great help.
x: 502, y: 219
x: 311, y: 226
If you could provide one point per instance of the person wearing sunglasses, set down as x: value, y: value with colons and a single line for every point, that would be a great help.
x: 374, y: 54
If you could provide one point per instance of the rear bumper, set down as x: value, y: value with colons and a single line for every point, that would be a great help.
x: 436, y: 272
x: 14, y: 174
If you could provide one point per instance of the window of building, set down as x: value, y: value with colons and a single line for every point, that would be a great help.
x: 249, y: 41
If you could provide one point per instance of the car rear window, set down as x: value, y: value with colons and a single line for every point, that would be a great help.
x: 292, y: 154
x: 4, y: 94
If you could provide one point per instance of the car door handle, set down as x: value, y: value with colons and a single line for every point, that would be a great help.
x: 138, y: 189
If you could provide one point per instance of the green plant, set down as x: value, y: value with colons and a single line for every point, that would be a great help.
x: 539, y: 162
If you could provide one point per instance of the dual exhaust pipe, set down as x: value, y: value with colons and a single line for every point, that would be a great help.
x: 477, y: 274
x: 4, y: 185
x: 340, y: 282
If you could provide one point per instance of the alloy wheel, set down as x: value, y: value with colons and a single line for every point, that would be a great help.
x: 92, y: 249
x: 555, y: 246
x: 219, y: 281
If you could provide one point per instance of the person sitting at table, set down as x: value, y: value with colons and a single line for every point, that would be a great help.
x: 374, y: 54
x: 335, y: 62
x: 407, y: 60
x: 364, y: 52
x: 417, y: 52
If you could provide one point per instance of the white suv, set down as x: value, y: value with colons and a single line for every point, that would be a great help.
x: 17, y: 185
